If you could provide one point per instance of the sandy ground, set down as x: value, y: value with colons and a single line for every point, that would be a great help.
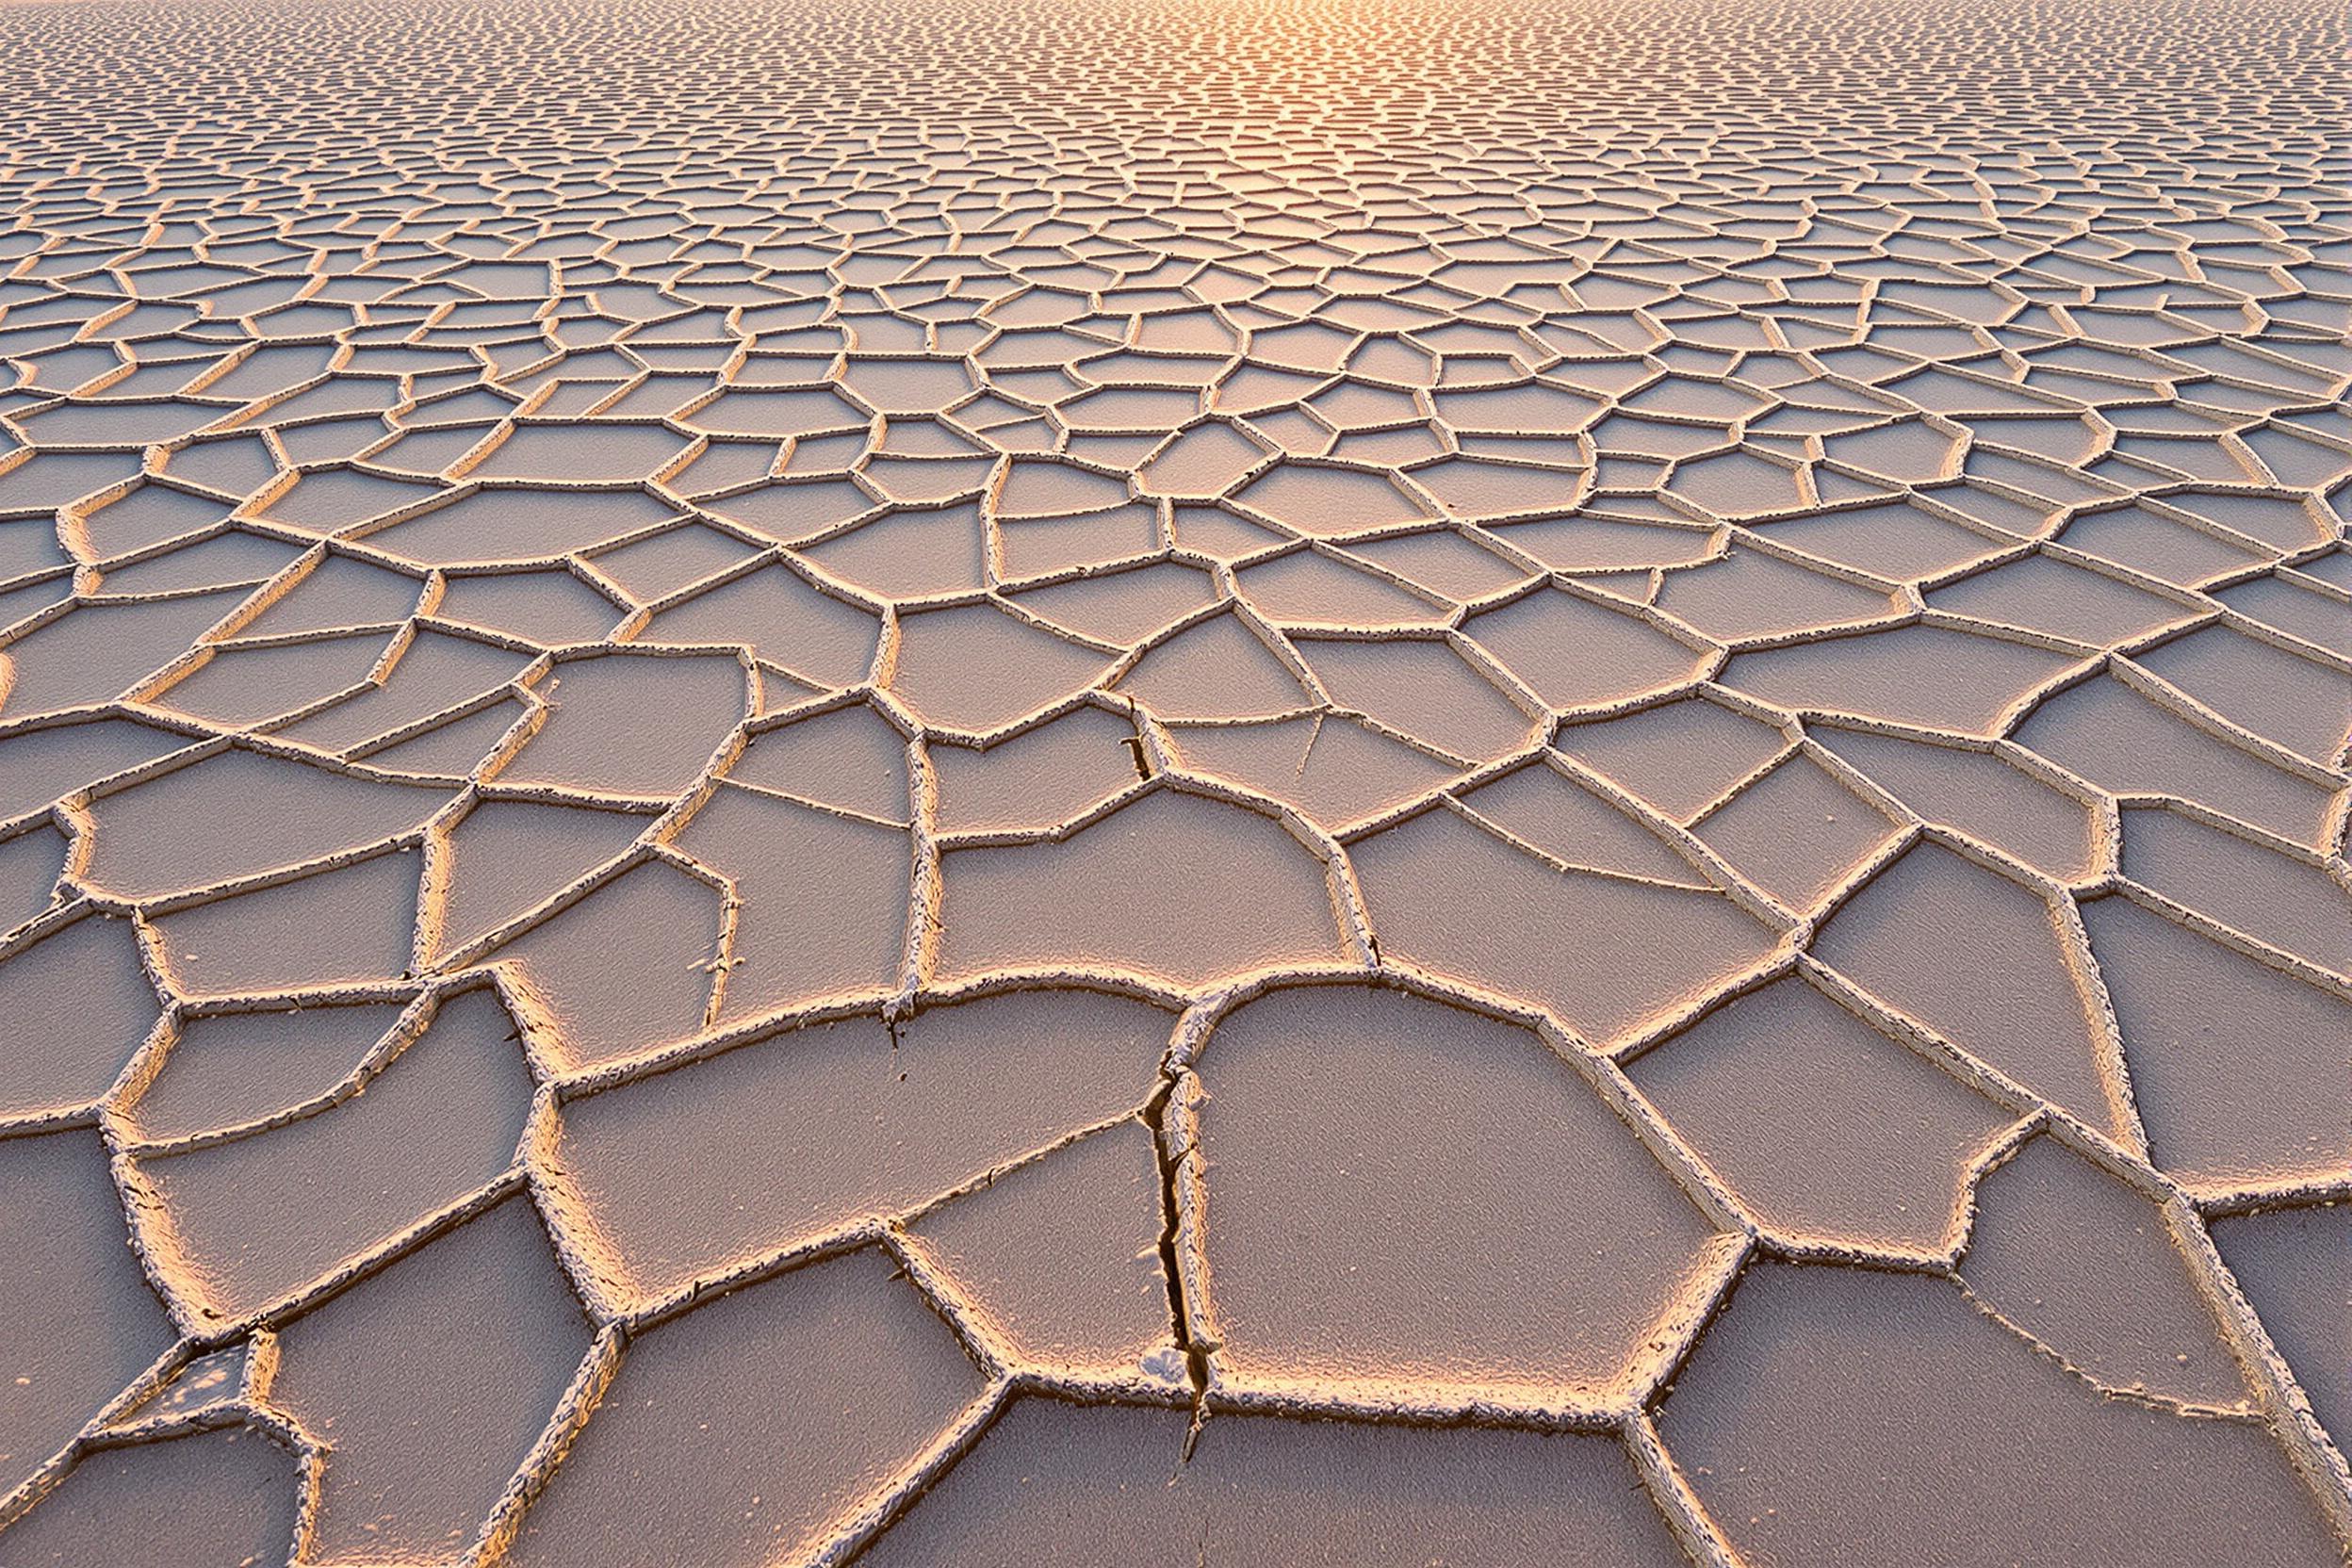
x: 1149, y: 783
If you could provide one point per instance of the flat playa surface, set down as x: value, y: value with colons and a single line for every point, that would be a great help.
x: 1179, y: 784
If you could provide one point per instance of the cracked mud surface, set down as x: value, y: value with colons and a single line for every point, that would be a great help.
x: 1122, y: 783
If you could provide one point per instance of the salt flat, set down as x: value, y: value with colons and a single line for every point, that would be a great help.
x: 1238, y: 783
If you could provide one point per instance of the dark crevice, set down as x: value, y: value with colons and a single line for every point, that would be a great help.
x: 1155, y: 1114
